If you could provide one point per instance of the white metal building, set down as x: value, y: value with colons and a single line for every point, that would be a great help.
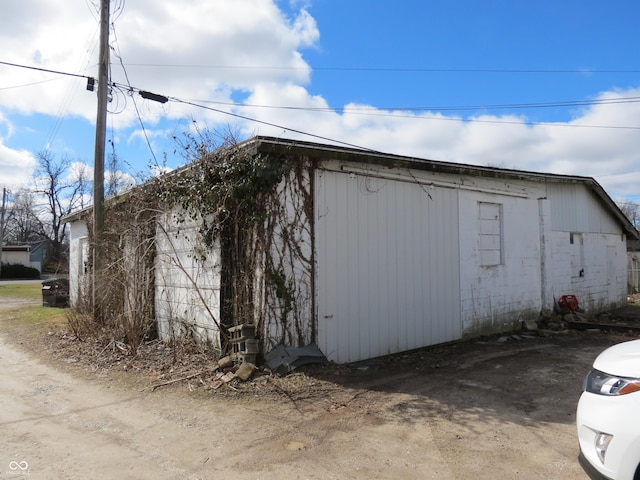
x: 402, y: 253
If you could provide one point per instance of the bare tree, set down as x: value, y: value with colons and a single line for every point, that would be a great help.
x: 4, y: 216
x: 62, y: 191
x: 116, y: 180
x: 22, y: 222
x: 112, y: 177
x: 632, y: 211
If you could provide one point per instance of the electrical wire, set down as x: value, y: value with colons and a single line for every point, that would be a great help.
x: 378, y: 113
x: 391, y: 69
x: 368, y: 111
x: 422, y: 117
x: 117, y: 10
x: 30, y: 84
x: 96, y: 9
x: 131, y: 89
x: 72, y: 87
x: 44, y: 70
x: 262, y: 122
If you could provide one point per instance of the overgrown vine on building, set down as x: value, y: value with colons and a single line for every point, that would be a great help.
x: 255, y: 208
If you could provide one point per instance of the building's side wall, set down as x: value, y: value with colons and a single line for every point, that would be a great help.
x: 514, y: 246
x: 387, y: 260
x: 187, y: 279
x: 593, y: 268
x: 588, y: 255
x: 499, y: 294
x: 575, y: 209
x: 78, y: 262
x: 633, y: 269
x: 36, y: 265
x: 16, y: 258
x: 557, y: 240
x: 285, y: 277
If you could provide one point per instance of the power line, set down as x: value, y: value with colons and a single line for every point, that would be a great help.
x: 505, y: 122
x: 355, y: 69
x: 29, y: 84
x: 556, y: 104
x: 365, y: 109
x: 130, y: 89
x: 70, y: 92
x: 243, y: 117
x: 389, y: 69
x: 57, y: 72
x: 368, y: 112
x: 380, y: 113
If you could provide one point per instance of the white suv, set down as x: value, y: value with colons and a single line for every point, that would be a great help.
x: 608, y: 416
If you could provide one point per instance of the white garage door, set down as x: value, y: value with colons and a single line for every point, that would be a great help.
x: 387, y: 266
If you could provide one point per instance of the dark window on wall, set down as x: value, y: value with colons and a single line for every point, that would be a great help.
x: 577, y: 254
x: 491, y: 234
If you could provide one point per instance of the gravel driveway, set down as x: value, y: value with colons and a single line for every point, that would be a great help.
x: 498, y: 409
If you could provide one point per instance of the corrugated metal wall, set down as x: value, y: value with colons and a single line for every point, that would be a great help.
x: 576, y: 209
x: 387, y: 265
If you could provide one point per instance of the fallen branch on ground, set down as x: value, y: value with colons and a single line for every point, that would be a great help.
x: 176, y: 380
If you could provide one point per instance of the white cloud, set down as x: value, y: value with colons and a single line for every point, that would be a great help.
x: 215, y: 46
x: 216, y: 49
x: 574, y: 148
x: 16, y: 166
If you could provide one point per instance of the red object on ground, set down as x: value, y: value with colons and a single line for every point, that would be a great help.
x: 568, y: 302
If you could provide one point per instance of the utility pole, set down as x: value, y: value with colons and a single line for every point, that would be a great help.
x: 2, y: 216
x: 98, y: 166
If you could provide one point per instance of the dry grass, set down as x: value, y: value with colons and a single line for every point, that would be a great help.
x: 23, y: 315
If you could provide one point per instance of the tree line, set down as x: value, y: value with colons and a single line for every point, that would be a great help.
x: 34, y: 213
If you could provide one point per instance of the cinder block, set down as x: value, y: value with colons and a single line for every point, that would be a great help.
x: 245, y: 371
x: 246, y: 346
x: 244, y: 358
x: 242, y: 332
x: 225, y: 362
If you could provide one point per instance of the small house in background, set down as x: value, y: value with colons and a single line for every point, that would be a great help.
x: 32, y: 255
x: 16, y: 255
x: 38, y: 254
x: 366, y: 254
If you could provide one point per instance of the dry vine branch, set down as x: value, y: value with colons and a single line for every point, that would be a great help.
x: 258, y: 210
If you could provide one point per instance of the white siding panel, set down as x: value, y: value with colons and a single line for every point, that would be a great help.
x: 78, y: 261
x: 576, y: 209
x: 387, y: 266
x: 187, y: 283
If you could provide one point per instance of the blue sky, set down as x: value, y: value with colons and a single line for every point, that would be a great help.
x: 440, y: 80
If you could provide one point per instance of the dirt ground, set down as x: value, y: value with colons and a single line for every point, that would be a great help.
x: 495, y: 408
